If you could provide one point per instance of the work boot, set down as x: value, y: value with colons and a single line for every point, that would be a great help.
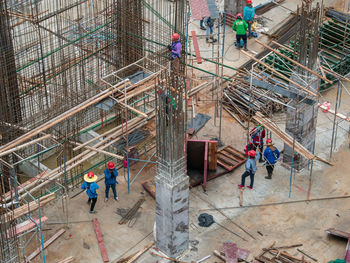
x: 250, y: 187
x: 203, y: 28
x: 116, y: 198
x: 213, y: 39
x: 245, y: 47
x: 240, y: 186
x: 106, y: 199
x: 207, y: 40
x: 93, y: 212
x: 268, y: 177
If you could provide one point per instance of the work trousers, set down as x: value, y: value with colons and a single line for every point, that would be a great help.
x: 238, y: 39
x: 249, y: 27
x: 93, y: 203
x: 269, y: 169
x: 246, y: 174
x: 113, y: 189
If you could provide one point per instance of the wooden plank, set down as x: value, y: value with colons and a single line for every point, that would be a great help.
x: 66, y: 260
x: 232, y: 158
x: 226, y: 159
x: 138, y: 254
x: 235, y: 152
x: 8, y: 194
x: 270, y: 125
x: 25, y: 226
x: 46, y: 244
x: 196, y: 47
x: 213, y: 148
x: 24, y: 209
x: 338, y: 233
x: 100, y: 240
x: 224, y: 165
x: 279, y: 74
x: 63, y: 116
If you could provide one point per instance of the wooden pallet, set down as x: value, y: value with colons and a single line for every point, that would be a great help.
x: 230, y: 158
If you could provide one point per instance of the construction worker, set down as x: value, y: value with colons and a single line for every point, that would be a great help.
x: 271, y: 155
x: 250, y: 168
x: 91, y: 189
x: 175, y: 49
x: 111, y: 180
x: 240, y: 26
x: 209, y: 24
x: 257, y: 135
x: 201, y: 23
x: 248, y: 16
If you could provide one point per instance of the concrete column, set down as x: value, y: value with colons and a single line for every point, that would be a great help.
x: 302, y: 123
x: 172, y: 216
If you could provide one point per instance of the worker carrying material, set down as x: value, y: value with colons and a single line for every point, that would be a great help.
x: 250, y: 168
x: 175, y: 49
x: 111, y: 180
x: 91, y: 187
x: 240, y: 26
x: 271, y: 155
x: 257, y: 135
x: 248, y: 16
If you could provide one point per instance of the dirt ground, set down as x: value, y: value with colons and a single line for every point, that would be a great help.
x: 286, y: 224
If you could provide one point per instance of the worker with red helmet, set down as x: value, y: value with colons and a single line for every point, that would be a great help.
x: 111, y: 180
x: 250, y: 168
x: 175, y: 49
x: 240, y: 26
x: 248, y: 15
x: 257, y: 135
x: 91, y: 187
x: 271, y: 155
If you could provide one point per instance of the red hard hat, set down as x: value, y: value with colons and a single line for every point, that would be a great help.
x: 249, y: 2
x: 90, y: 174
x: 239, y: 14
x: 269, y: 140
x: 252, y: 153
x: 175, y: 36
x: 111, y: 165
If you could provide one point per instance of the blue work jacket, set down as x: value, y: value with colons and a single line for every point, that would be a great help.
x: 250, y: 164
x: 111, y: 178
x: 90, y: 189
x: 271, y: 156
x: 248, y: 13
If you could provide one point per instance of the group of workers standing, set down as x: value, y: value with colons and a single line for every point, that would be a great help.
x: 255, y: 152
x: 91, y: 186
x: 244, y: 23
x: 240, y: 26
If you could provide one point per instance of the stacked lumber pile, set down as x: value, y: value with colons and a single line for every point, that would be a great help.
x: 238, y: 100
x: 25, y: 209
x: 273, y: 253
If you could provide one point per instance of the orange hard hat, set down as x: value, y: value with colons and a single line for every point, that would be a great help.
x: 111, y: 165
x: 175, y: 36
x: 251, y: 153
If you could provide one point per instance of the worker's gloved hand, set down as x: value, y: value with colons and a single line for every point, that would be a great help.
x: 169, y: 47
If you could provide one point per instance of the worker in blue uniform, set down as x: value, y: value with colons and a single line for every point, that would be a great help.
x: 248, y: 15
x: 111, y: 180
x: 91, y: 187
